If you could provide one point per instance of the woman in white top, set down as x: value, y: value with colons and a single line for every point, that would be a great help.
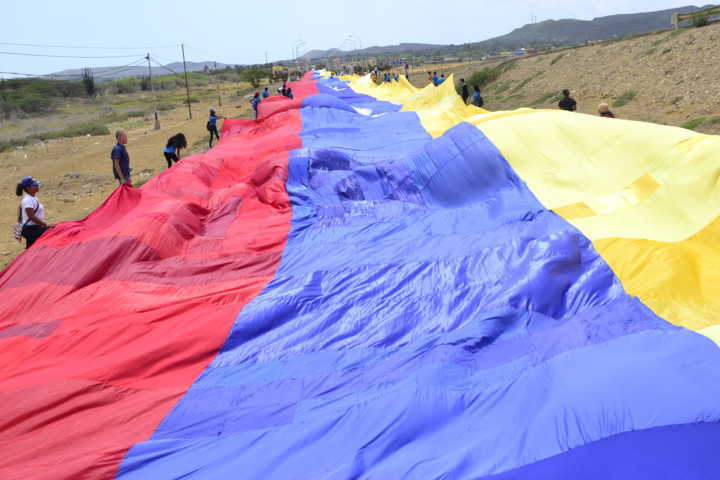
x: 31, y: 213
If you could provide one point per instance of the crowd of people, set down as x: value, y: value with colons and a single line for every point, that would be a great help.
x: 31, y: 222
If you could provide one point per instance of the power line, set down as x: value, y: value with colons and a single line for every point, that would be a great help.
x: 164, y: 67
x: 99, y: 74
x: 25, y: 54
x: 84, y: 46
x: 165, y: 59
x: 120, y: 69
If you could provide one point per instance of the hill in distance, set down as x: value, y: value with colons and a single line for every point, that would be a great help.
x: 113, y: 73
x: 569, y: 31
x: 547, y: 33
x: 376, y: 50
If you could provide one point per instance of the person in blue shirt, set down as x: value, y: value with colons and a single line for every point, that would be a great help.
x: 288, y: 93
x: 255, y: 102
x: 435, y: 79
x: 121, y: 159
x: 265, y: 93
x: 441, y: 79
x: 173, y: 147
x: 212, y: 125
x: 477, y: 99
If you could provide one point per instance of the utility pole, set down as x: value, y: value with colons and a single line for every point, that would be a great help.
x: 152, y: 89
x: 187, y: 85
x: 266, y: 58
x: 218, y: 89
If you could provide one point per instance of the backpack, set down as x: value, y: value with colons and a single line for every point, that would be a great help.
x: 18, y: 228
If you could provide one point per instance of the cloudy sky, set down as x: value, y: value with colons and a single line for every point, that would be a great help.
x: 238, y: 31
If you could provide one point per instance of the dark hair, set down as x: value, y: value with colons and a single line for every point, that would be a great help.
x: 19, y: 189
x: 476, y: 88
x: 462, y: 79
x: 566, y: 92
x: 178, y: 141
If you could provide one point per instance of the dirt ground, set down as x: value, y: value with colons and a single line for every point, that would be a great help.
x: 76, y: 173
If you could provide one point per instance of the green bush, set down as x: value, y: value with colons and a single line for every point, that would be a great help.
x: 625, y: 98
x: 163, y: 107
x: 698, y: 122
x: 79, y: 130
x: 483, y: 77
x: 135, y: 114
x: 10, y: 144
x: 254, y: 75
x: 126, y: 85
x: 36, y: 103
x: 700, y: 21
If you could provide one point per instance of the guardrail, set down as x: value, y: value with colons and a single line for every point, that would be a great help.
x: 678, y: 18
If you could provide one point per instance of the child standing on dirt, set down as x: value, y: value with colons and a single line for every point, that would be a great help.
x: 212, y: 125
x: 173, y: 147
x: 31, y: 213
x: 121, y: 159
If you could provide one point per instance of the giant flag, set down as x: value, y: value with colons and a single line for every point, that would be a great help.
x: 379, y: 282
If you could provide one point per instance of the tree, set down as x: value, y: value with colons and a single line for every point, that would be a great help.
x: 254, y: 75
x: 88, y: 81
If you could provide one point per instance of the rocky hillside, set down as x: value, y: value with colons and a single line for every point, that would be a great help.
x: 670, y: 77
x: 570, y: 31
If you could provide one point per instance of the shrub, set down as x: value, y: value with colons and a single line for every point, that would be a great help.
x: 698, y: 122
x: 10, y: 144
x: 254, y: 76
x: 700, y: 21
x: 36, y: 103
x: 165, y: 106
x: 483, y: 77
x: 79, y: 130
x: 126, y: 85
x: 625, y: 98
x: 135, y: 114
x: 557, y: 59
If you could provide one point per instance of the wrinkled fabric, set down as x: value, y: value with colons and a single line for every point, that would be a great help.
x: 342, y: 292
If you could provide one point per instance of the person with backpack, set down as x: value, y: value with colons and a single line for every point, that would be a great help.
x: 477, y: 99
x: 31, y: 213
x: 173, y: 147
x: 212, y: 125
